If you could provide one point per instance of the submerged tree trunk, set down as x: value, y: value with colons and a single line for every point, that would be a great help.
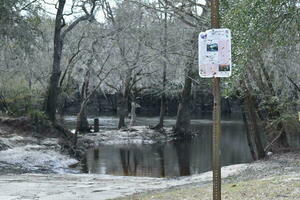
x: 182, y: 126
x: 183, y: 120
x: 53, y: 89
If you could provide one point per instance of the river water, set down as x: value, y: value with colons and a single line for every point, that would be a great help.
x: 168, y: 159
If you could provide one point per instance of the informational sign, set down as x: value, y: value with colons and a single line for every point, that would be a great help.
x: 215, y: 53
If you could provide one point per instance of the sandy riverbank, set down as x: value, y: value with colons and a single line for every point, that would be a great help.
x: 277, y: 177
x: 92, y: 187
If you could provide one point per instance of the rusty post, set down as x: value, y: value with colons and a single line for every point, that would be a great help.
x: 216, y: 144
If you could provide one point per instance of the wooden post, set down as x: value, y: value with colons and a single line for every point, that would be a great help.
x: 96, y: 125
x: 216, y: 152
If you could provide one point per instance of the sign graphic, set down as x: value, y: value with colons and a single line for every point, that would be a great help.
x: 215, y: 53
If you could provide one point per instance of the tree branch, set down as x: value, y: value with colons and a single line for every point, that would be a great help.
x: 295, y: 85
x: 87, y: 16
x: 71, y: 60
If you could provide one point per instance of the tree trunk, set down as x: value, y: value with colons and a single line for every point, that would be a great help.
x: 248, y: 133
x: 132, y: 113
x: 53, y: 89
x: 264, y: 83
x: 252, y: 122
x: 273, y: 112
x: 99, y: 102
x: 164, y: 77
x: 183, y: 119
x: 162, y: 111
x: 82, y: 125
x: 122, y: 113
x: 123, y: 108
x: 282, y: 140
x: 182, y: 126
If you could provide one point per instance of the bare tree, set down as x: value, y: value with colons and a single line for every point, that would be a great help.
x: 61, y: 30
x: 164, y: 76
x: 131, y: 65
x: 188, y: 14
x: 100, y: 75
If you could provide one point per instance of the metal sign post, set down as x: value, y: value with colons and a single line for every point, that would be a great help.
x: 215, y: 62
x: 216, y: 164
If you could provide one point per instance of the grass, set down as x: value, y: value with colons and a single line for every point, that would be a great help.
x: 277, y: 188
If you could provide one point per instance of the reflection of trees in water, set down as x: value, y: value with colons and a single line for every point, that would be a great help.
x: 94, y: 165
x: 174, y: 158
x: 160, y: 153
x: 129, y: 161
x: 96, y: 154
x: 84, y: 165
x: 183, y: 151
x: 135, y: 161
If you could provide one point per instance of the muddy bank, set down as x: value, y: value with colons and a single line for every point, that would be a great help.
x: 32, y: 155
x: 26, y: 147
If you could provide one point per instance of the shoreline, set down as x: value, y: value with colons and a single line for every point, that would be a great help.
x: 278, y: 167
x: 60, y: 182
x: 92, y: 186
x: 277, y: 177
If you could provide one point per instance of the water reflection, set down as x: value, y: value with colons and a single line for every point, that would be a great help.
x: 169, y: 159
x: 183, y: 151
x: 129, y: 161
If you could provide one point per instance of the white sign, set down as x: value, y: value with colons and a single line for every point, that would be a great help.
x: 215, y: 53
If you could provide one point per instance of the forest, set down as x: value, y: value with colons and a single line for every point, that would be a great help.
x: 135, y: 63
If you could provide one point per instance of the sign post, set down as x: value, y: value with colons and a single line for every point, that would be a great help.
x: 216, y: 164
x: 215, y: 62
